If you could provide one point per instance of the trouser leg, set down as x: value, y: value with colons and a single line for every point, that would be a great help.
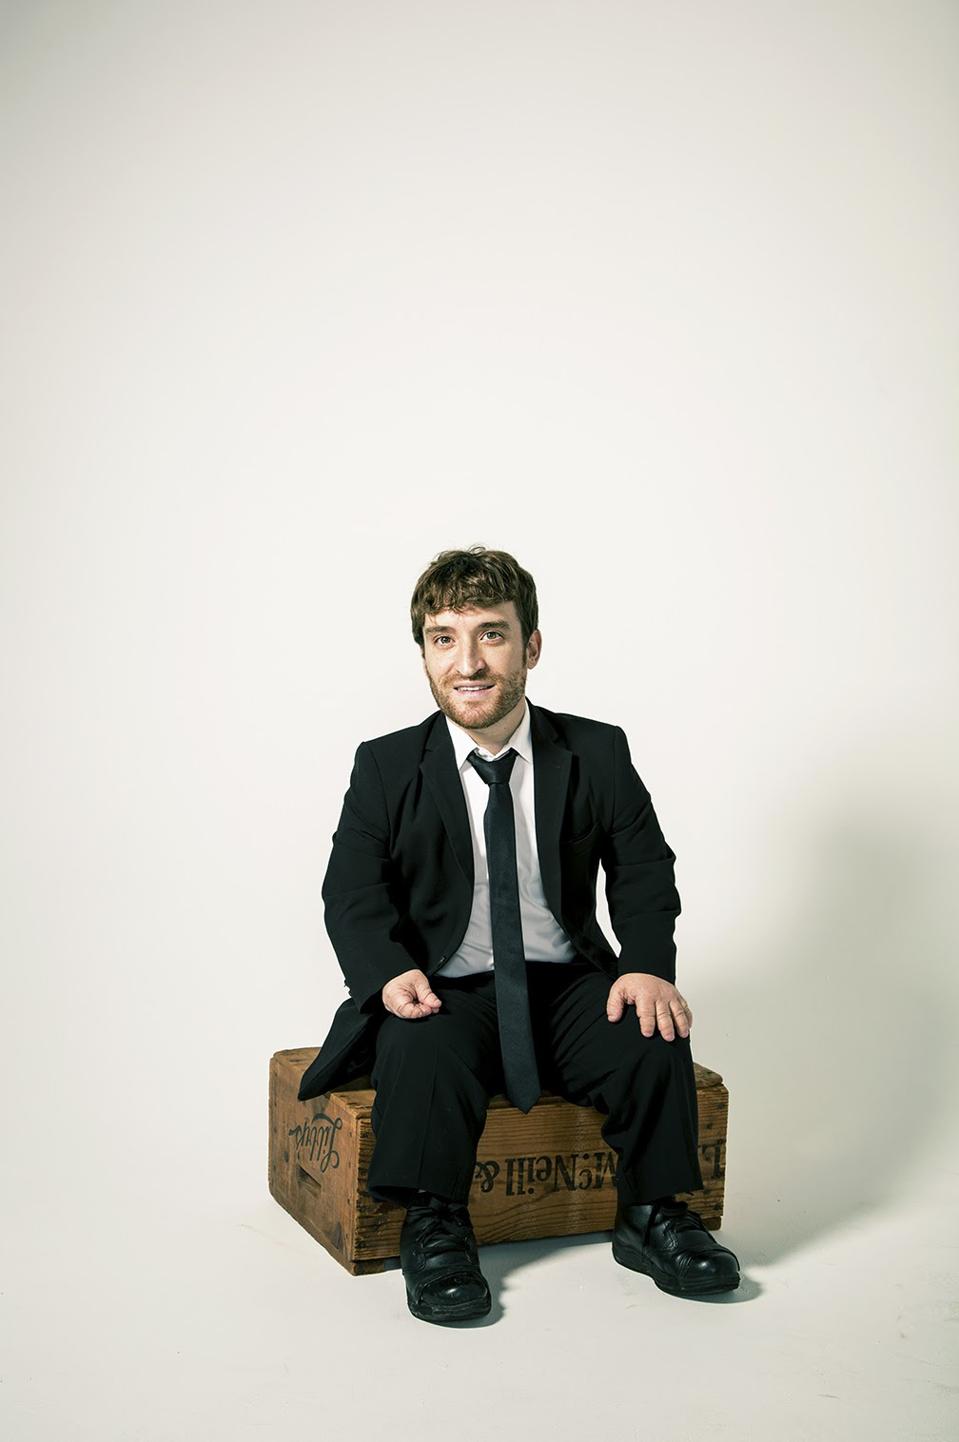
x: 645, y: 1085
x: 433, y: 1078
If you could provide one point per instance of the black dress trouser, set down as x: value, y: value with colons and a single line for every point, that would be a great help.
x: 434, y: 1075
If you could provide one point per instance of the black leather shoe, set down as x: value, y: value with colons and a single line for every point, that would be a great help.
x: 668, y: 1241
x: 440, y: 1262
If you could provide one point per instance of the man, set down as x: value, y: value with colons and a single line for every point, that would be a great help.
x: 460, y: 898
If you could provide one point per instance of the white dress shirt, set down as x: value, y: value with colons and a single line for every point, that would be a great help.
x: 543, y: 938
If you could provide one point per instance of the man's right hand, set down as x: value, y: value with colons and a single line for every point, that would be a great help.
x: 410, y: 995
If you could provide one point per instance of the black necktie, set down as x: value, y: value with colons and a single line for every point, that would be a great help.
x: 509, y: 957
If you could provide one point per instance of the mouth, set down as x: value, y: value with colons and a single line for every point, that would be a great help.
x: 473, y: 690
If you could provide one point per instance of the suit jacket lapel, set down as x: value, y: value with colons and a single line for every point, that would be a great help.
x: 551, y: 764
x: 442, y: 776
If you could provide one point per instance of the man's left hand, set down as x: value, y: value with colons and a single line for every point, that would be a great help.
x: 657, y: 1003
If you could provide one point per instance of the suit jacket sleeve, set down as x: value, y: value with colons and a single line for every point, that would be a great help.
x: 640, y: 886
x: 360, y: 910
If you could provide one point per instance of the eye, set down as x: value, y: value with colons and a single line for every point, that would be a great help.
x: 438, y: 639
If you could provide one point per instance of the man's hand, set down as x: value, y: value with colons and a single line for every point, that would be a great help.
x: 410, y: 995
x: 656, y: 1001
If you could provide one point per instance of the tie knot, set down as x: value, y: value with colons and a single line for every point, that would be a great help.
x: 494, y: 773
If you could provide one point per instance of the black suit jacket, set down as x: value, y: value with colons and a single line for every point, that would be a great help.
x: 398, y: 889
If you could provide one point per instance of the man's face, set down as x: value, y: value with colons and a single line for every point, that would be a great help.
x: 476, y: 663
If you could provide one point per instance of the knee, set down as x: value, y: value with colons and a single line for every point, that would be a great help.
x: 655, y: 1053
x: 422, y: 1040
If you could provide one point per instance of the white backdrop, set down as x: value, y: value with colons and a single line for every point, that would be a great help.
x: 661, y: 299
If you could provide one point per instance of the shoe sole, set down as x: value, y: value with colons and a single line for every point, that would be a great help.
x: 637, y: 1263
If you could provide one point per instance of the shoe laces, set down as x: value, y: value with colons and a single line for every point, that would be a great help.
x: 444, y: 1230
x: 681, y: 1217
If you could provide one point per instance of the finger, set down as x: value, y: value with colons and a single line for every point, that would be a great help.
x: 665, y: 1018
x: 614, y: 1005
x: 679, y: 1012
x: 647, y: 1019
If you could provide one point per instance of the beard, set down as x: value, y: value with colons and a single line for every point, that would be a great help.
x: 478, y: 715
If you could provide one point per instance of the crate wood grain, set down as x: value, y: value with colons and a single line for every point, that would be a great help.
x: 544, y: 1173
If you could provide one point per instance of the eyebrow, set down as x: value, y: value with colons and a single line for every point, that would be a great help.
x: 480, y: 625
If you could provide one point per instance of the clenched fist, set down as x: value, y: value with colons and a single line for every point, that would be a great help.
x: 410, y: 995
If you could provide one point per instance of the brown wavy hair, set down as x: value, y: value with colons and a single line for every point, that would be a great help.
x: 474, y: 577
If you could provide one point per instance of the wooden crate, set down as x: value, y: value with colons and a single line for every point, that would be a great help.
x: 545, y: 1173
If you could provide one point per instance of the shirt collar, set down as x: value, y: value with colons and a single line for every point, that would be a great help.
x: 520, y: 741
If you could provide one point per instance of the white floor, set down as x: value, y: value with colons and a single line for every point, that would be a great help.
x: 168, y: 1318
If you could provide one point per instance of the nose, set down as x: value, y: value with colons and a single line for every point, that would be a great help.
x: 469, y: 661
